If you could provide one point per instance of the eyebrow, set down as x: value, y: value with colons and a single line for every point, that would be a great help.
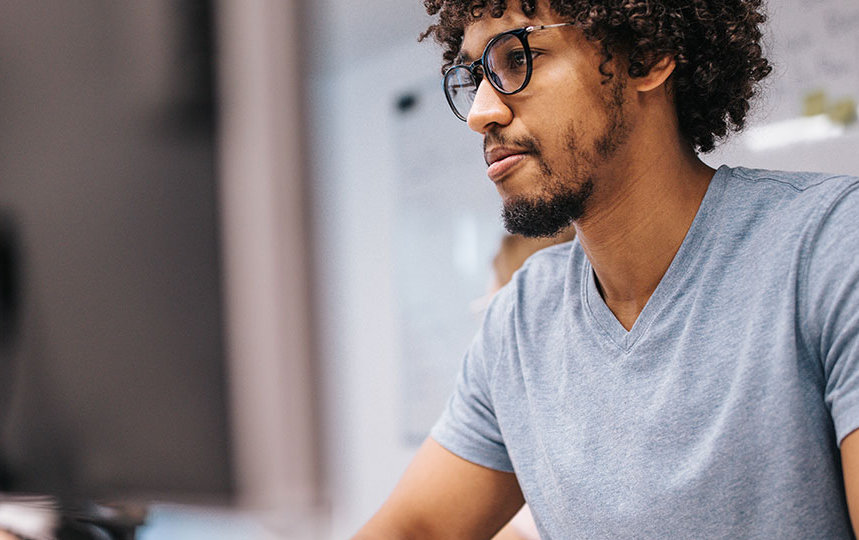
x: 464, y: 58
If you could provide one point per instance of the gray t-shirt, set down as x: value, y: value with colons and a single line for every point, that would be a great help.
x: 719, y: 414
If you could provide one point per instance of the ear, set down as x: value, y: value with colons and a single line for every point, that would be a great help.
x: 657, y: 75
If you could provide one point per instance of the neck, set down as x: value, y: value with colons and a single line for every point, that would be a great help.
x: 637, y: 220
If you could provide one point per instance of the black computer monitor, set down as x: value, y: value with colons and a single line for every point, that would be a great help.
x: 112, y: 365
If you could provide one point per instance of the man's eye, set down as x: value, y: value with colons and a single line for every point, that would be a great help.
x: 516, y: 59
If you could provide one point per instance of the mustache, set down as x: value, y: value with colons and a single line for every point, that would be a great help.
x: 528, y: 144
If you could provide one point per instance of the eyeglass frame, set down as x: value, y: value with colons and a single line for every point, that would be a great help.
x: 522, y: 35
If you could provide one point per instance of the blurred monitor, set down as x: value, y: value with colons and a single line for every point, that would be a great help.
x: 112, y: 365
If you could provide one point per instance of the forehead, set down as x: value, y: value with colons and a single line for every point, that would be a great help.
x: 478, y: 33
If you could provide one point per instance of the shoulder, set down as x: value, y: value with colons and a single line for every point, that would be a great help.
x: 549, y: 260
x: 545, y: 270
x: 807, y: 187
x: 542, y: 282
x: 781, y: 204
x: 796, y: 180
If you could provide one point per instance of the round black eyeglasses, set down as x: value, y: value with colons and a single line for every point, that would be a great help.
x: 506, y: 62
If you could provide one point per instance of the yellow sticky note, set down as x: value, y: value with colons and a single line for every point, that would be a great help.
x: 843, y: 111
x: 814, y: 103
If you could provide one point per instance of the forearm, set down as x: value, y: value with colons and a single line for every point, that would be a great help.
x: 380, y: 528
x: 444, y: 496
x: 408, y: 526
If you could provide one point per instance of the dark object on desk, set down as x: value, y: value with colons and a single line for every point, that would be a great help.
x: 9, y: 283
x: 97, y: 522
x: 9, y: 302
x: 44, y: 518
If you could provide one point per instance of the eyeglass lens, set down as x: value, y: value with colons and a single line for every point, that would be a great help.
x: 505, y: 64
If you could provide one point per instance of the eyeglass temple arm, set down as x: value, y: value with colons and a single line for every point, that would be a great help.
x: 530, y: 29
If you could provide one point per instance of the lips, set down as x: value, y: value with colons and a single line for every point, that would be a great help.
x: 501, y: 160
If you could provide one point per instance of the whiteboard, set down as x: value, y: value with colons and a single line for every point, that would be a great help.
x: 814, y: 46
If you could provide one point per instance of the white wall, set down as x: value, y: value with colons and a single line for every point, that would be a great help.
x: 352, y: 152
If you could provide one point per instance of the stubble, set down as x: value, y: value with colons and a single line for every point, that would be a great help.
x: 564, y: 196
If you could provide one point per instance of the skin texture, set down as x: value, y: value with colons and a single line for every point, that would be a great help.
x: 850, y: 464
x: 643, y: 196
x: 566, y: 183
x: 443, y: 496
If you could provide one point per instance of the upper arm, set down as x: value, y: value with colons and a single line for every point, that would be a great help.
x: 832, y: 328
x: 444, y: 496
x: 829, y: 306
x: 850, y: 465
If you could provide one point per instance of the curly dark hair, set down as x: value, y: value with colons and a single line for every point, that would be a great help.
x: 715, y: 45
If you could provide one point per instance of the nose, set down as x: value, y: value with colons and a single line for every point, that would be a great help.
x: 488, y: 108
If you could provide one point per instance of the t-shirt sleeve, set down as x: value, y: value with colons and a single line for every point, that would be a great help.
x: 468, y: 426
x: 833, y: 300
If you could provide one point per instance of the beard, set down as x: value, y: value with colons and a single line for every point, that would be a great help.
x: 564, y: 196
x: 546, y: 217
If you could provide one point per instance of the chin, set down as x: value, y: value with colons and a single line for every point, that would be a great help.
x: 546, y: 216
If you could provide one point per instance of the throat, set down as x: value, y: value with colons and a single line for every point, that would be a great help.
x: 626, y: 315
x: 625, y: 311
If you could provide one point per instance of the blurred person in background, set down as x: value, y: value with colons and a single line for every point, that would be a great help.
x: 689, y: 365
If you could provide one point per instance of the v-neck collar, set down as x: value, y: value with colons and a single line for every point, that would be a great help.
x: 596, y: 307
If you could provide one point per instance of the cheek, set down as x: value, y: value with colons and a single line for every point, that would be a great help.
x: 563, y: 103
x: 566, y: 121
x: 575, y: 88
x: 563, y: 112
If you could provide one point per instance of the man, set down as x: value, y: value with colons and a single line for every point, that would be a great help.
x: 688, y: 367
